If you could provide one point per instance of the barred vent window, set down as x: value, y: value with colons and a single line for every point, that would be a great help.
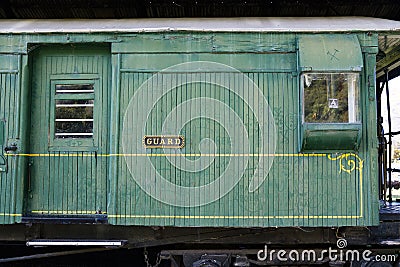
x: 74, y: 105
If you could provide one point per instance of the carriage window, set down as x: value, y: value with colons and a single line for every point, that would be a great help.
x: 331, y: 119
x: 330, y: 98
x: 330, y: 66
x: 73, y: 115
x: 74, y: 111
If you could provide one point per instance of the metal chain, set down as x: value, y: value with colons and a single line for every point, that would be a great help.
x: 146, y: 259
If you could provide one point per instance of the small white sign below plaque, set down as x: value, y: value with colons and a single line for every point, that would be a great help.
x: 333, y: 103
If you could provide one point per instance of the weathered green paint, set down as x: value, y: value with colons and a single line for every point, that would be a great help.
x: 205, y: 43
x: 330, y: 137
x: 2, y: 133
x: 369, y: 129
x: 3, y: 160
x: 245, y: 62
x: 67, y: 180
x: 330, y: 53
x: 10, y: 182
x: 300, y: 189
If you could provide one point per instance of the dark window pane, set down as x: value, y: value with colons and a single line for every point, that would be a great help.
x: 74, y: 109
x: 75, y: 129
x: 74, y: 88
x: 75, y: 113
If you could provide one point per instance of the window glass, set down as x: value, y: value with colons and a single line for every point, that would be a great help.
x: 74, y: 111
x: 330, y: 97
x: 74, y: 88
x: 74, y: 119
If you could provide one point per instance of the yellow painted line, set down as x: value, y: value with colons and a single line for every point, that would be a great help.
x: 361, y: 193
x: 11, y: 214
x: 211, y: 216
x: 236, y: 217
x: 197, y: 216
x: 220, y: 155
x: 159, y: 155
x: 50, y: 212
x: 53, y: 155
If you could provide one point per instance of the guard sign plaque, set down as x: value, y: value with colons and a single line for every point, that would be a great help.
x: 163, y: 141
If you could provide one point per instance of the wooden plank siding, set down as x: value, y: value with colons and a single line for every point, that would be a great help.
x: 67, y: 180
x: 10, y: 94
x: 301, y: 189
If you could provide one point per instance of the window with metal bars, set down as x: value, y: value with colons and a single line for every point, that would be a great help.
x: 72, y: 115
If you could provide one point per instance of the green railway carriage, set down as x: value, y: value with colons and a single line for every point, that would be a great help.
x: 205, y: 123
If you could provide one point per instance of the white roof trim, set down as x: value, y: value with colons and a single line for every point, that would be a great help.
x: 285, y: 24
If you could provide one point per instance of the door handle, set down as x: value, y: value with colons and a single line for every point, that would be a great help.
x: 12, y: 147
